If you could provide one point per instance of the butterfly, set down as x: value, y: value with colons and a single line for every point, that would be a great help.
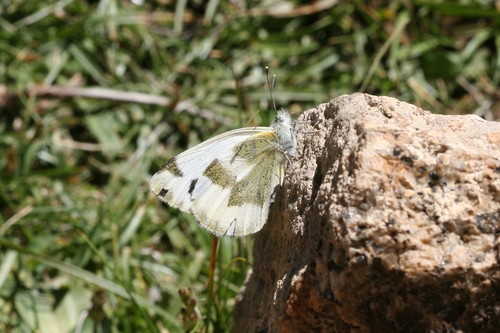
x: 229, y: 181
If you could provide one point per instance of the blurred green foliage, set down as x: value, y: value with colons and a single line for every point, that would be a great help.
x: 84, y: 246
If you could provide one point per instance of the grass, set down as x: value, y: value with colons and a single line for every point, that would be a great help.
x: 84, y: 246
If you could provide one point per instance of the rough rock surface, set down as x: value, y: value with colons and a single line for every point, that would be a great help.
x: 388, y: 221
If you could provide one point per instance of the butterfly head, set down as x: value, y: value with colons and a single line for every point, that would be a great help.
x: 282, y: 125
x: 283, y: 117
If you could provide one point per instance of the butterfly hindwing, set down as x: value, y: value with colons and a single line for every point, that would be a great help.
x: 233, y: 195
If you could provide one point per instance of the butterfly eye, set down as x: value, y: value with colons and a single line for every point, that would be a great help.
x: 280, y: 117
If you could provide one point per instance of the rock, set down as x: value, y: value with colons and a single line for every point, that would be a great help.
x: 388, y: 221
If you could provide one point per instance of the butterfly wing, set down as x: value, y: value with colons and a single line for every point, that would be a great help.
x: 227, y: 182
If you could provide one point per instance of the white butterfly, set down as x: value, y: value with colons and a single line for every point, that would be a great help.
x: 227, y: 182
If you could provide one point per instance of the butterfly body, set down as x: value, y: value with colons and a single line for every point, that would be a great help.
x: 227, y: 182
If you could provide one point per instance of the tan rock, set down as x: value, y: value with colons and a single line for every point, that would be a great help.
x: 388, y: 222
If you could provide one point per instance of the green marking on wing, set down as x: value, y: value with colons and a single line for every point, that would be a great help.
x: 219, y: 175
x: 255, y: 145
x: 267, y: 162
x: 172, y: 167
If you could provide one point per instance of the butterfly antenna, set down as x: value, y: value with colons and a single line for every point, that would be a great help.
x: 271, y: 87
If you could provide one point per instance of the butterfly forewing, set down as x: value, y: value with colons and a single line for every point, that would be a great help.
x: 233, y: 195
x: 175, y: 178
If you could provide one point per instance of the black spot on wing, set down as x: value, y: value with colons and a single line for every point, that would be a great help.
x: 192, y: 186
x: 163, y: 192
